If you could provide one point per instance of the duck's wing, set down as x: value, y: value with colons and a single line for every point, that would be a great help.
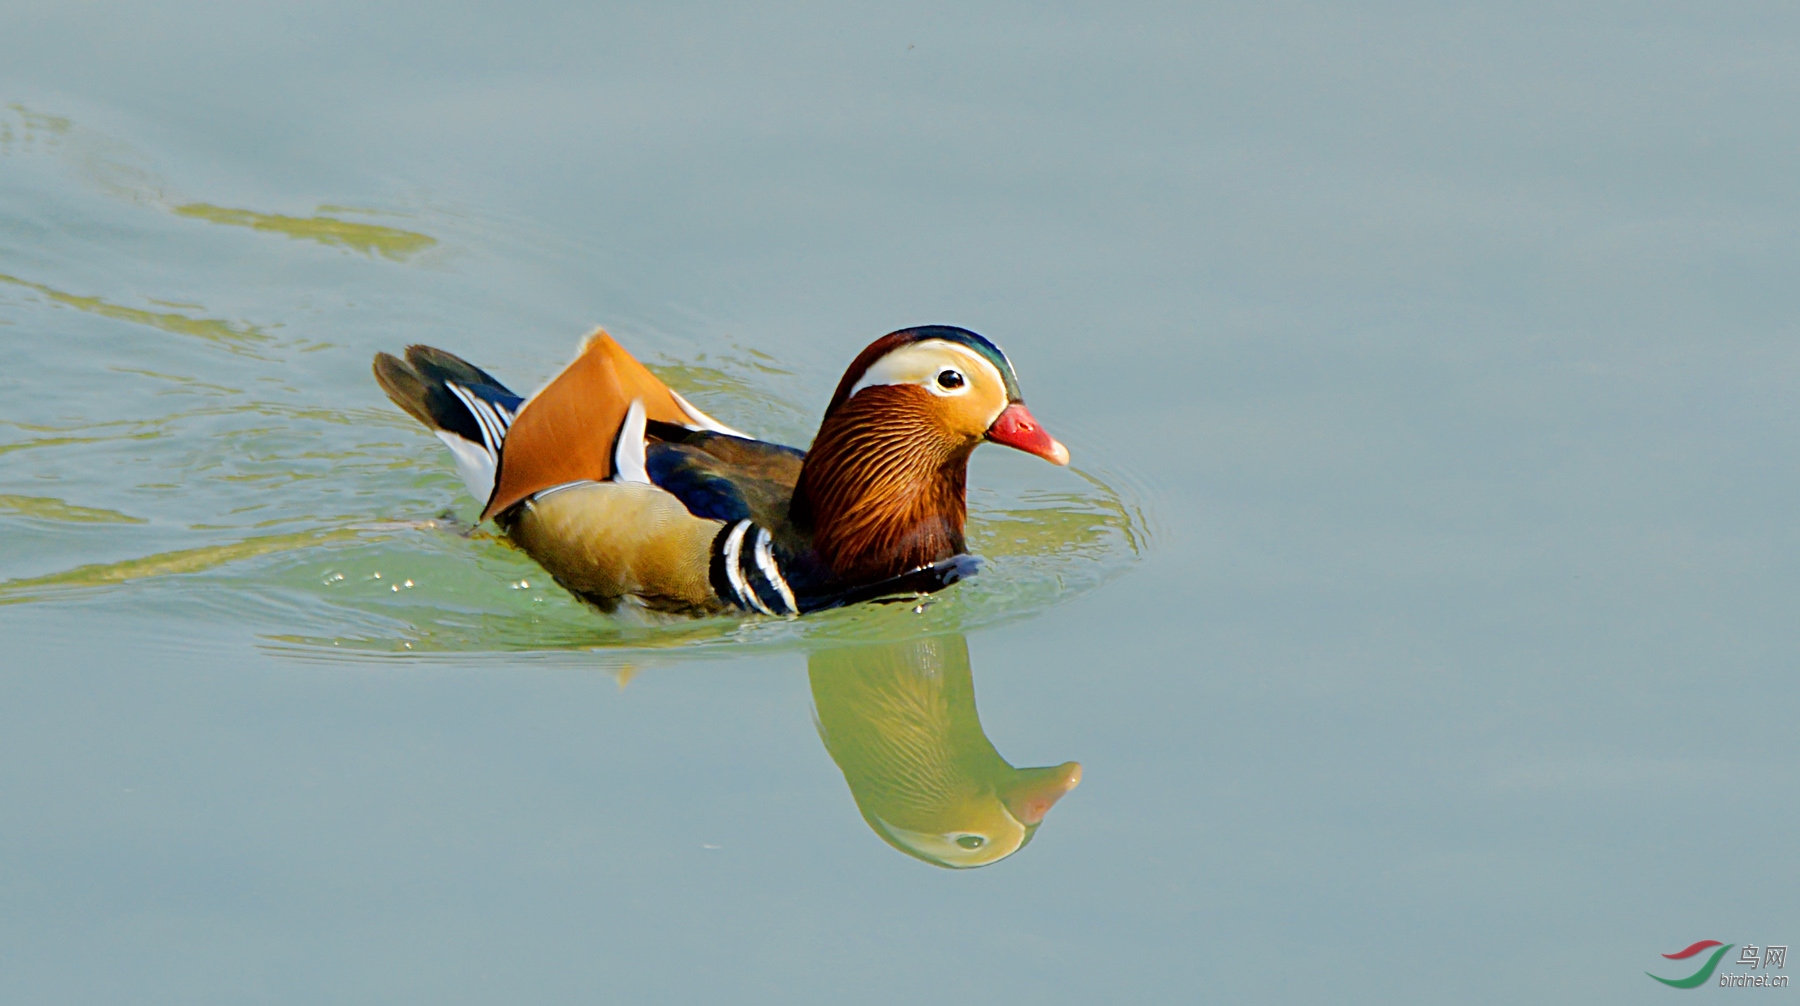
x: 723, y: 477
x: 568, y: 431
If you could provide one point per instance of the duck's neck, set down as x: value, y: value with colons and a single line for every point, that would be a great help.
x: 882, y: 491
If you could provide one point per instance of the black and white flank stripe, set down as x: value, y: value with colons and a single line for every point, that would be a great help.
x: 745, y: 571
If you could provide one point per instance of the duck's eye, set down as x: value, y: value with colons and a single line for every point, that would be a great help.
x: 970, y: 842
x: 950, y: 380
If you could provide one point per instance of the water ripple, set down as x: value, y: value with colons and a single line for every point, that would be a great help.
x: 249, y: 474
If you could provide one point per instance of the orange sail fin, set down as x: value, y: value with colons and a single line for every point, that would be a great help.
x: 567, y: 431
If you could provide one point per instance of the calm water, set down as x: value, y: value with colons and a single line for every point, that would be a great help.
x: 1419, y: 609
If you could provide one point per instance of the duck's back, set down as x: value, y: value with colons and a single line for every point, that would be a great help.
x: 723, y: 477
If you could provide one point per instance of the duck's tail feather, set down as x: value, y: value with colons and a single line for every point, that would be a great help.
x: 464, y: 405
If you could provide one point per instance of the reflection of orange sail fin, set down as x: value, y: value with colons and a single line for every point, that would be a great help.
x: 566, y: 432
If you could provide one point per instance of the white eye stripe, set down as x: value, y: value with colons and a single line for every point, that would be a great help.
x: 921, y: 362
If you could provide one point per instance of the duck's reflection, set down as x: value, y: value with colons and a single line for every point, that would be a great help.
x: 899, y: 720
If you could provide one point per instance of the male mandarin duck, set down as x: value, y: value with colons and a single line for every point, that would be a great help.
x: 623, y: 490
x: 899, y: 719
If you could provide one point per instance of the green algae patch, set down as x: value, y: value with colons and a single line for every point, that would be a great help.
x: 50, y: 508
x: 210, y: 329
x: 192, y: 560
x: 370, y: 239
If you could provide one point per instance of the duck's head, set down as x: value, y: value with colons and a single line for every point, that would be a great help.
x: 900, y: 721
x: 957, y: 381
x: 975, y: 823
x: 883, y: 487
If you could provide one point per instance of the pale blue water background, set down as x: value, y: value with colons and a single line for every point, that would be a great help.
x: 1441, y: 360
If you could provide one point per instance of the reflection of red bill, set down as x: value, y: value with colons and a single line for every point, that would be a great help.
x: 1037, y: 789
x: 1691, y: 951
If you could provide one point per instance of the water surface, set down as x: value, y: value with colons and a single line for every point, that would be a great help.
x: 1417, y: 610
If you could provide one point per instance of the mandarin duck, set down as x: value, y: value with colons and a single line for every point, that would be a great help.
x: 625, y: 492
x: 899, y: 719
